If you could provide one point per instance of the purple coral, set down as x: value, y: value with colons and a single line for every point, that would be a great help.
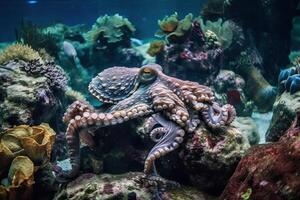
x: 56, y: 77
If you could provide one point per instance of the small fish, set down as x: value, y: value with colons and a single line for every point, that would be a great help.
x: 69, y: 49
x: 234, y: 97
x: 71, y: 52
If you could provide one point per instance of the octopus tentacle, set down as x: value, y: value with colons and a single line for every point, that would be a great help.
x: 172, y: 136
x: 157, y: 134
x: 88, y: 120
x: 77, y: 107
x: 166, y: 101
x: 216, y: 116
x: 135, y: 92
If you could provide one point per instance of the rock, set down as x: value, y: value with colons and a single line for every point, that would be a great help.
x: 24, y: 99
x: 269, y: 171
x: 128, y: 186
x: 247, y: 127
x: 210, y: 158
x: 284, y: 111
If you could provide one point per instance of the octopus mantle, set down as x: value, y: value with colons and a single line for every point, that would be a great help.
x: 173, y: 107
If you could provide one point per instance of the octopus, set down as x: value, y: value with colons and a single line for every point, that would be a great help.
x: 171, y: 107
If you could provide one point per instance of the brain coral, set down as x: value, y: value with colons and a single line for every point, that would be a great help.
x: 110, y: 30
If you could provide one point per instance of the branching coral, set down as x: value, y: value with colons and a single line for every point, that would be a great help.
x: 18, y: 51
x: 109, y: 30
x: 23, y: 149
x: 222, y: 29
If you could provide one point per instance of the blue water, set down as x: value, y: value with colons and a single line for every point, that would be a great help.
x: 143, y: 14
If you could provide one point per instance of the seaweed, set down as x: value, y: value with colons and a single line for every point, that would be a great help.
x: 34, y: 36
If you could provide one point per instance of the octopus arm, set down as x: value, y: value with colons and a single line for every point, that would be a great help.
x: 166, y: 101
x: 83, y: 122
x: 168, y: 138
x: 216, y: 116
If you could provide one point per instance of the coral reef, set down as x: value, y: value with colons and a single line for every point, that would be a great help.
x: 269, y: 171
x: 18, y: 51
x: 289, y: 79
x: 227, y: 80
x: 211, y: 157
x: 146, y: 91
x: 284, y: 111
x: 24, y: 99
x: 56, y: 77
x: 173, y: 28
x: 20, y: 180
x: 23, y: 150
x: 126, y: 186
x: 230, y: 88
x: 188, y: 54
x: 222, y: 29
x: 156, y: 47
x: 111, y: 31
x: 32, y: 91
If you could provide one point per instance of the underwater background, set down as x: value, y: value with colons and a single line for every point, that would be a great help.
x: 140, y: 99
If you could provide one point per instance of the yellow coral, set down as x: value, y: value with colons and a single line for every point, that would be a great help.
x: 20, y: 180
x: 74, y: 95
x: 169, y: 23
x: 23, y: 148
x: 155, y: 47
x: 18, y: 51
x: 35, y: 142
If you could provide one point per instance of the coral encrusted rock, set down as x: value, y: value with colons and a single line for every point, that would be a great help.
x: 269, y: 171
x: 128, y: 186
x: 210, y: 157
x: 284, y: 111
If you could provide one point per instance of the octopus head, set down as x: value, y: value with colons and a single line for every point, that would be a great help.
x: 118, y: 83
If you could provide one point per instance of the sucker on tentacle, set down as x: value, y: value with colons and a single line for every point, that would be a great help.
x: 177, y: 106
x: 171, y: 136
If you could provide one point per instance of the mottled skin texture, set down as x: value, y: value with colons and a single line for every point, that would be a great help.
x: 175, y: 105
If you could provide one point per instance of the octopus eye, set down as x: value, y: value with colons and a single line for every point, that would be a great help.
x: 147, y: 75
